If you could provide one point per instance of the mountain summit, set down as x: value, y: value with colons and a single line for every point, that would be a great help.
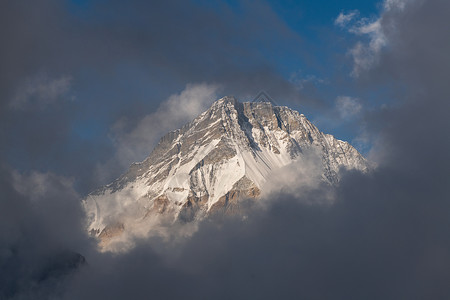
x: 226, y: 154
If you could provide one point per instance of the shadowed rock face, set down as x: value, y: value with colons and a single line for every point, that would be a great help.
x: 209, y: 165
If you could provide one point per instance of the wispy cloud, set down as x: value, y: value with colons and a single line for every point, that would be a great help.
x: 41, y: 90
x: 136, y: 143
x: 302, y: 81
x: 344, y: 18
x: 365, y: 53
x: 177, y: 110
x: 348, y: 107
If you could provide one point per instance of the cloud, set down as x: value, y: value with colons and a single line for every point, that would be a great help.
x: 298, y: 179
x: 174, y: 112
x: 40, y: 234
x: 41, y: 91
x: 385, y: 236
x: 376, y: 33
x: 121, y: 61
x: 135, y: 144
x: 215, y: 44
x: 301, y: 81
x: 370, y: 243
x: 36, y: 185
x: 395, y: 4
x: 344, y: 18
x: 365, y: 53
x: 348, y: 107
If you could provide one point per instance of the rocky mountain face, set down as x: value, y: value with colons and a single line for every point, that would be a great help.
x: 226, y: 154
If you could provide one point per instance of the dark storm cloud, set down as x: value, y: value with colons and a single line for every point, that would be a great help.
x: 65, y: 64
x: 186, y: 40
x: 387, y: 234
x: 385, y: 237
x: 40, y: 233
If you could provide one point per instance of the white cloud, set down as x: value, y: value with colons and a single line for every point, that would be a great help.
x: 136, y: 144
x: 41, y: 90
x: 298, y: 179
x: 348, y: 107
x: 365, y: 53
x: 344, y: 18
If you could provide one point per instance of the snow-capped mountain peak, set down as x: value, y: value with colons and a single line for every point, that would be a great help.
x: 226, y: 154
